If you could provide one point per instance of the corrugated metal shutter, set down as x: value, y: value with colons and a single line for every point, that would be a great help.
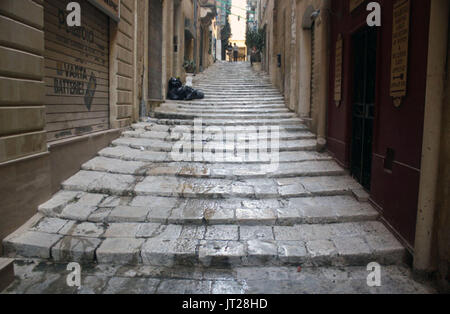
x: 76, y: 71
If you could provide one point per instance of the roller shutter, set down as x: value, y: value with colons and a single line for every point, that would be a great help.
x: 76, y: 71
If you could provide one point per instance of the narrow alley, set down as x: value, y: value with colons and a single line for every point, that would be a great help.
x: 222, y: 195
x: 224, y: 147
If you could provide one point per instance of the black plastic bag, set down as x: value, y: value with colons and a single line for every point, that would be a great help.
x: 174, y: 83
x: 179, y: 92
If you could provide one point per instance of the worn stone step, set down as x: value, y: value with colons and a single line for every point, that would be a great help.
x: 234, y: 84
x: 346, y: 244
x: 47, y: 278
x: 240, y: 87
x: 220, y: 141
x: 222, y: 188
x: 234, y: 108
x: 227, y: 92
x: 218, y: 150
x: 244, y: 102
x: 168, y: 136
x: 235, y: 122
x: 235, y: 98
x: 225, y: 95
x: 162, y: 126
x: 126, y: 185
x: 128, y: 153
x: 203, y: 110
x: 226, y: 106
x: 213, y: 171
x: 237, y: 109
x: 167, y: 113
x: 102, y: 208
x: 257, y: 94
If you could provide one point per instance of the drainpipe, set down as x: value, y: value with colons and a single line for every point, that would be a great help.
x: 325, y: 46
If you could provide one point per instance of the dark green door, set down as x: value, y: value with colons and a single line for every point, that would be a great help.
x: 363, y: 104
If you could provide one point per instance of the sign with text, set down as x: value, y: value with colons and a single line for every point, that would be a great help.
x: 400, y: 43
x: 109, y: 7
x: 338, y: 70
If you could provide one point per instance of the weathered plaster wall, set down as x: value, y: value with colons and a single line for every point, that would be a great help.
x: 122, y: 67
x: 24, y: 162
x: 287, y: 36
x: 22, y: 111
x: 30, y: 171
x: 443, y: 197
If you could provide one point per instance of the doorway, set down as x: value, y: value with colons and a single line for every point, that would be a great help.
x: 202, y: 43
x: 364, y: 45
x: 155, y: 50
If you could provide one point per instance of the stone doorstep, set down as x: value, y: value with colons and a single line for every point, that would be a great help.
x: 6, y: 272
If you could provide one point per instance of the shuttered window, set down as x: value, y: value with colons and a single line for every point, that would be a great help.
x: 76, y: 71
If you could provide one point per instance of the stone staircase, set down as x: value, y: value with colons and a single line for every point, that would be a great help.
x: 137, y: 204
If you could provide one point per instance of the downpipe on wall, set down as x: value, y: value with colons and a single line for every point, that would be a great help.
x: 322, y: 118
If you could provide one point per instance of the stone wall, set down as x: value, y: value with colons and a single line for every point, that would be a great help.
x: 22, y: 111
x: 122, y: 102
x: 24, y: 162
x: 289, y: 36
x: 30, y: 170
x: 140, y: 54
x: 443, y: 199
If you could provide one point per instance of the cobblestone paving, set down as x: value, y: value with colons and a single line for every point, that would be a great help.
x: 138, y: 203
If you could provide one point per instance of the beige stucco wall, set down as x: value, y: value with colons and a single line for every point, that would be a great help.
x: 22, y: 89
x: 431, y: 251
x: 286, y: 35
x: 122, y: 67
x: 30, y: 171
x: 443, y: 194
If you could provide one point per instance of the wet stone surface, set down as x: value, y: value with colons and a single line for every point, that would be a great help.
x: 34, y: 276
x: 153, y: 214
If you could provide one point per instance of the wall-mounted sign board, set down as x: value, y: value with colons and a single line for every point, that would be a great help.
x: 76, y: 71
x: 354, y: 4
x: 338, y: 70
x: 109, y: 7
x: 400, y: 43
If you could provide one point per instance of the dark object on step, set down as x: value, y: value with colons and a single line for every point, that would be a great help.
x: 192, y: 93
x: 179, y: 92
